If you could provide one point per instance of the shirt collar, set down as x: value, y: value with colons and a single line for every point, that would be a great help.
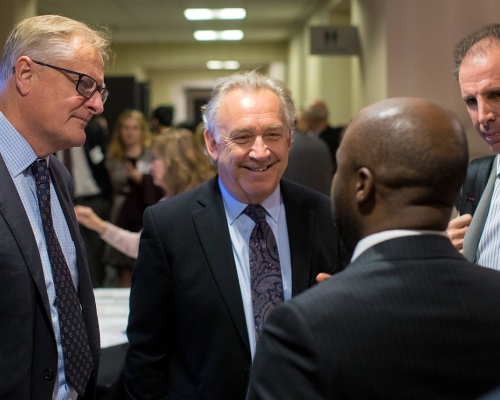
x: 16, y: 151
x: 371, y: 240
x: 234, y: 208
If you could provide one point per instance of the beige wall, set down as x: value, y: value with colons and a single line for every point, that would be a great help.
x: 323, y: 77
x: 410, y: 51
x: 171, y: 68
x: 13, y: 11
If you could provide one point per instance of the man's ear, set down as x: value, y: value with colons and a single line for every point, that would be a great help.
x: 211, y: 144
x: 364, y: 186
x: 23, y: 75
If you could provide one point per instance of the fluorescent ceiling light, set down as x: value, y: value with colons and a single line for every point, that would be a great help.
x: 198, y: 14
x: 218, y: 35
x: 215, y: 64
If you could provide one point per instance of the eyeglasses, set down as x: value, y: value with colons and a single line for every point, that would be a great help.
x: 86, y: 85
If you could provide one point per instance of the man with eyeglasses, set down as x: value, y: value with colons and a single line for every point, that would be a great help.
x: 51, y: 84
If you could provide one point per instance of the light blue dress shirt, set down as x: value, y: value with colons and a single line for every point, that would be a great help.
x: 487, y: 254
x: 240, y: 228
x: 18, y: 157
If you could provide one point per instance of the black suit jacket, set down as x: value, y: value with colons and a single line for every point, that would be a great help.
x: 476, y: 179
x: 332, y: 137
x: 409, y: 319
x: 96, y: 140
x: 187, y: 330
x: 28, y: 354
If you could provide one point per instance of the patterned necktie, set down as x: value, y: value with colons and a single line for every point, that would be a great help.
x: 78, y: 362
x: 265, y: 270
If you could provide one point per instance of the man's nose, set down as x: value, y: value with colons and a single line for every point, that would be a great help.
x: 259, y: 148
x: 486, y: 113
x: 94, y: 104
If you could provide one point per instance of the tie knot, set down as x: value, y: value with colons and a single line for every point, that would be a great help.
x: 40, y: 171
x: 256, y: 212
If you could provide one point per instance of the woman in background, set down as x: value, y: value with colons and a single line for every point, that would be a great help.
x: 129, y: 155
x: 178, y: 165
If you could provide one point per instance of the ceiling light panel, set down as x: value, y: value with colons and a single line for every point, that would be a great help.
x: 216, y: 64
x: 200, y: 14
x: 218, y: 35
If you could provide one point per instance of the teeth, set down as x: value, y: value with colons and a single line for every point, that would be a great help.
x: 258, y: 169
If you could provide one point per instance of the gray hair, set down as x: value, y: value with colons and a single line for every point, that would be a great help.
x: 247, y: 81
x: 46, y: 37
x: 465, y: 46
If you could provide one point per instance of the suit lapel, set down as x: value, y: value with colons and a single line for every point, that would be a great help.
x: 300, y: 225
x: 211, y: 225
x: 473, y: 234
x: 12, y: 209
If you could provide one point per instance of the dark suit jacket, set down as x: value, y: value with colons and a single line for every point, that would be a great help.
x: 476, y: 179
x: 409, y: 319
x: 28, y: 354
x: 187, y: 330
x: 96, y: 139
x: 332, y: 137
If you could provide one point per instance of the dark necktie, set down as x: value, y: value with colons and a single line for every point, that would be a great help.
x: 265, y: 270
x: 78, y: 362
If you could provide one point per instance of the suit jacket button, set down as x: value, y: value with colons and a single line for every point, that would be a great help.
x: 48, y: 374
x: 246, y: 368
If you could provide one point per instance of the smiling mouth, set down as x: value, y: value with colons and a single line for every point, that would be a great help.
x: 259, y: 169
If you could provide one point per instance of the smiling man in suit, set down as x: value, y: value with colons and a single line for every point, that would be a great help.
x: 409, y: 317
x: 49, y: 336
x: 214, y: 262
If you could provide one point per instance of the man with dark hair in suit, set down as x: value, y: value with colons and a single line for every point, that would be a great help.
x: 477, y: 68
x: 215, y: 261
x: 51, y: 84
x: 409, y: 317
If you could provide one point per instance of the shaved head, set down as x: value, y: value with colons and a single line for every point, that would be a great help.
x: 409, y: 157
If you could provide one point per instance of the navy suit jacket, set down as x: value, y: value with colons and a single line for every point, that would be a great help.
x: 187, y: 330
x: 409, y: 319
x: 28, y: 353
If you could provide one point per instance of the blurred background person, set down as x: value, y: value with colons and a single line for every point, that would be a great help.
x: 161, y: 119
x: 87, y: 166
x: 316, y: 119
x: 178, y: 165
x: 128, y: 165
x: 309, y: 161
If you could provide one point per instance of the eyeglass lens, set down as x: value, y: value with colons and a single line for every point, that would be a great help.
x: 88, y: 86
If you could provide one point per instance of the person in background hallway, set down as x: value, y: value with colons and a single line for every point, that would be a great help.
x: 409, y: 317
x: 316, y: 118
x: 477, y: 68
x: 51, y: 84
x: 193, y: 327
x: 128, y: 161
x: 178, y: 165
x: 161, y: 119
x: 92, y: 188
x: 309, y: 162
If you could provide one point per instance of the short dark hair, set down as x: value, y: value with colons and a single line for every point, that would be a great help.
x: 165, y: 115
x: 463, y: 48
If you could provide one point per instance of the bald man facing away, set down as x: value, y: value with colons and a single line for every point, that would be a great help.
x: 409, y: 317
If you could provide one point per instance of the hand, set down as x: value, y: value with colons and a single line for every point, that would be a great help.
x: 456, y: 230
x: 132, y: 172
x: 89, y: 219
x: 322, y: 276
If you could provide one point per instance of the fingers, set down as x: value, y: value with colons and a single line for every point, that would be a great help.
x: 322, y: 276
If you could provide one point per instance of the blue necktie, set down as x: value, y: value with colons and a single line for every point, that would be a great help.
x: 78, y: 362
x: 265, y: 269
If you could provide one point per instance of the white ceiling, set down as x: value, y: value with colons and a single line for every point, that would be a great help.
x: 164, y: 21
